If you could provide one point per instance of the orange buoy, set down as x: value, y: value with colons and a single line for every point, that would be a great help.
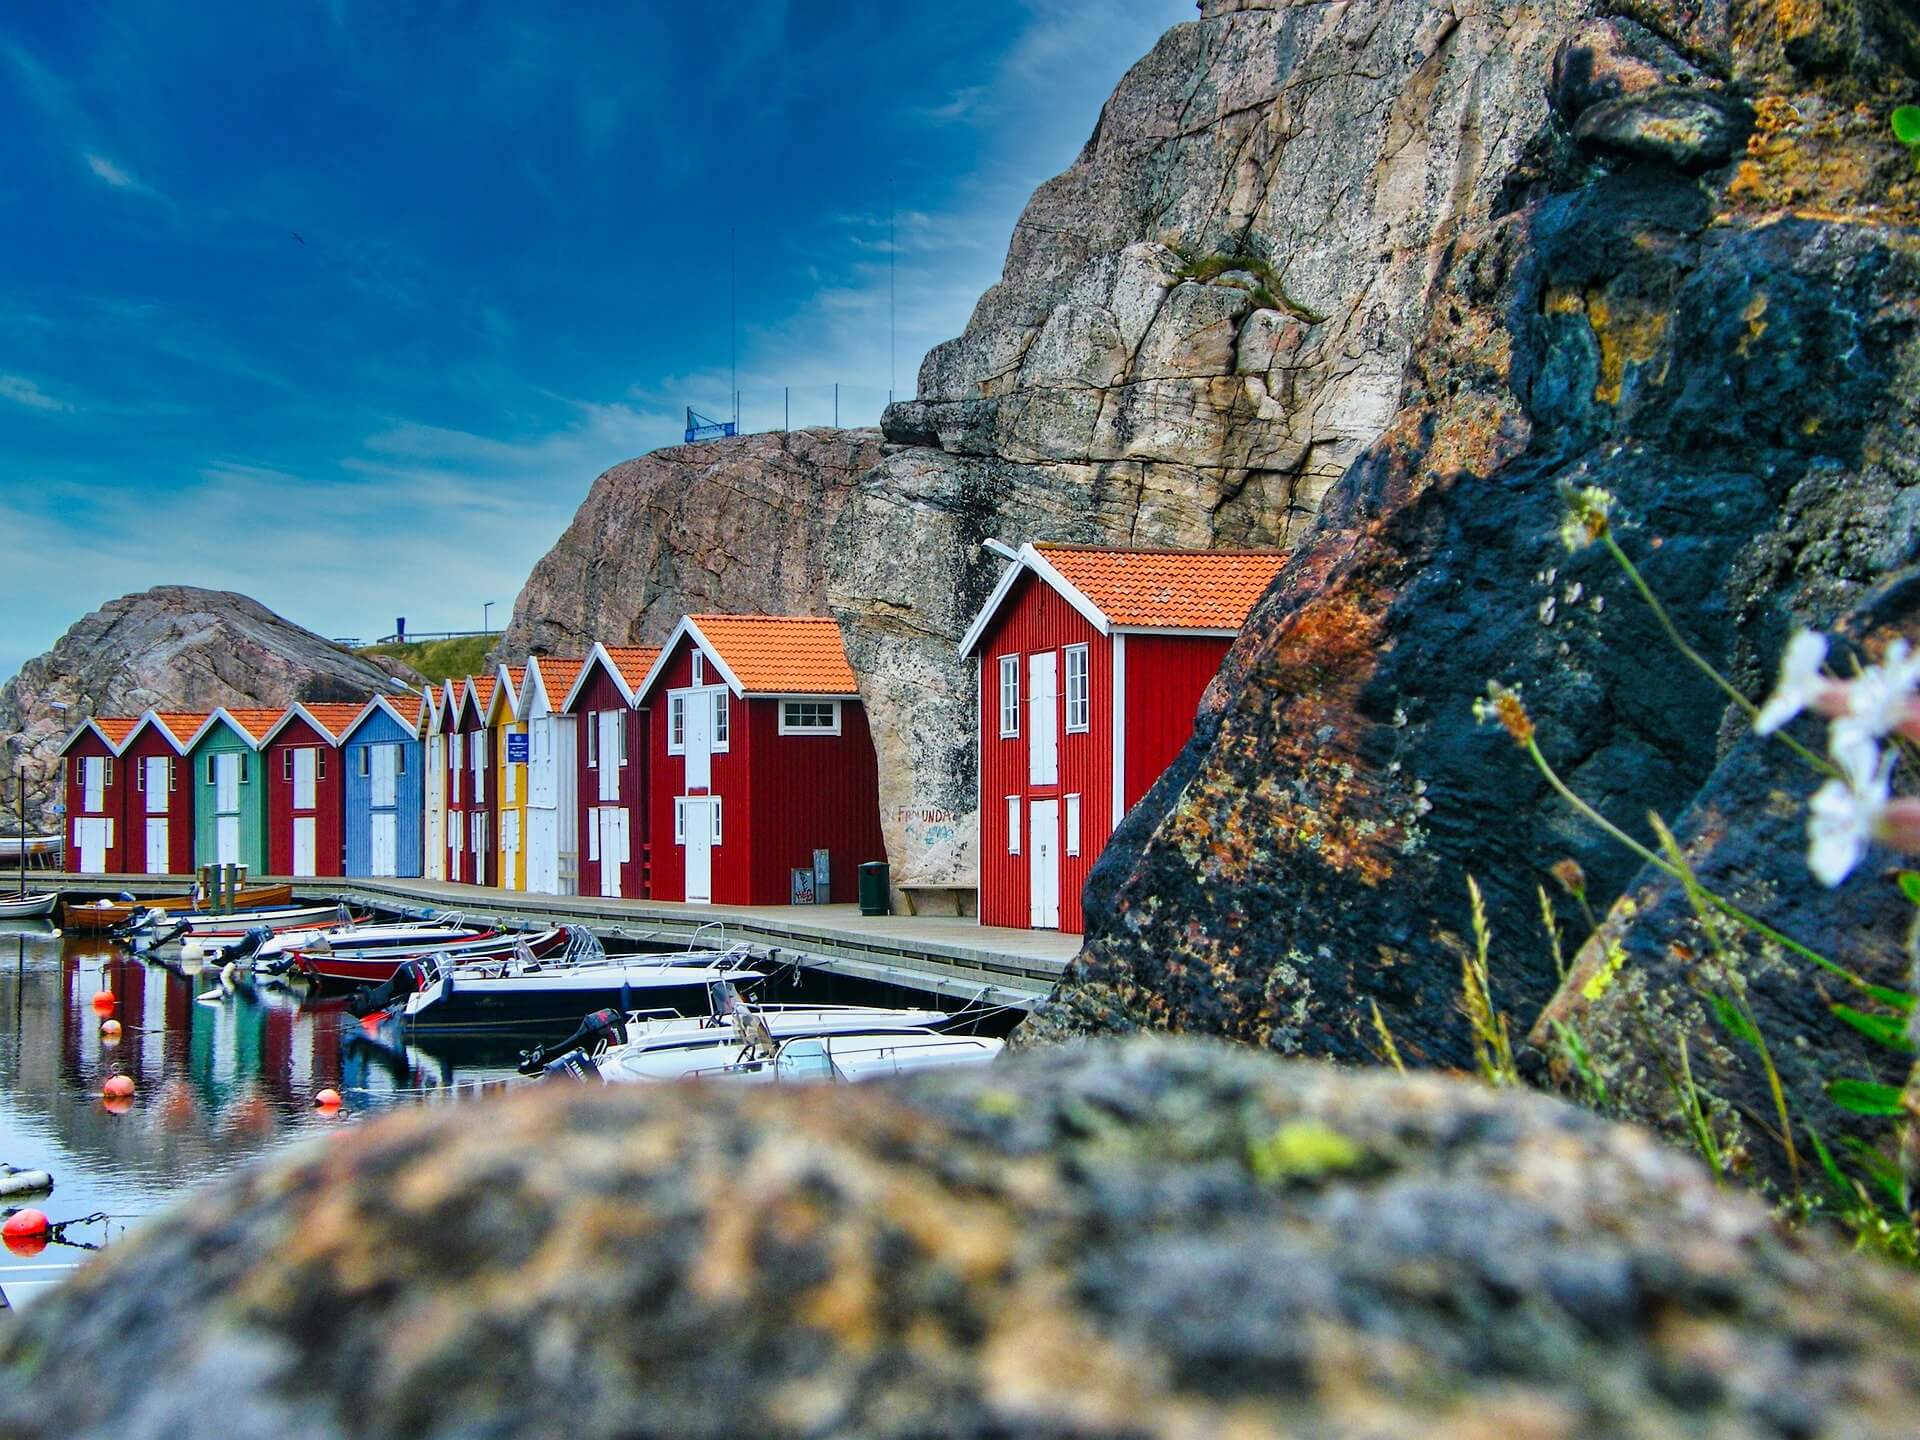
x: 24, y: 1225
x: 104, y: 1003
x: 118, y: 1104
x: 327, y: 1099
x: 109, y: 1030
x: 119, y: 1087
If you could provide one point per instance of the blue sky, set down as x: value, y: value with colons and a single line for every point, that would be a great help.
x: 345, y: 305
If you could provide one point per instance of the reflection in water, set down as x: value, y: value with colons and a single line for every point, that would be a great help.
x: 223, y: 1075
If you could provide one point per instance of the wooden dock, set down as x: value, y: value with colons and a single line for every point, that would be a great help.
x: 939, y: 955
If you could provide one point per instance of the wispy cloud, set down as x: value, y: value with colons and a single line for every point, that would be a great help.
x: 111, y: 173
x: 23, y: 391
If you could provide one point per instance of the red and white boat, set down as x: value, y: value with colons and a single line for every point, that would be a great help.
x: 369, y: 954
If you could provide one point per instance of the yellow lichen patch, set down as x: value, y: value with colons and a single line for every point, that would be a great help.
x: 1299, y: 1149
x: 1630, y: 332
x: 1565, y: 300
x: 1755, y: 316
x: 1601, y: 980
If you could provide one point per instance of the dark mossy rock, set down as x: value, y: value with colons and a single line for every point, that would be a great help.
x: 1154, y: 1239
x: 1689, y: 129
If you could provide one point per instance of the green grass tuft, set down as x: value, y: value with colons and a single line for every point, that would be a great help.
x: 439, y: 660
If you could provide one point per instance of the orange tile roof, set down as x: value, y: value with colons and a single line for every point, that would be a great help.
x: 557, y: 673
x: 254, y: 722
x: 633, y: 661
x: 1175, y: 589
x: 781, y: 654
x: 182, y: 725
x: 482, y: 687
x: 334, y: 718
x: 116, y: 727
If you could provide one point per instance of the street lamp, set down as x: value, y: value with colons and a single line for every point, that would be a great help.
x: 486, y: 625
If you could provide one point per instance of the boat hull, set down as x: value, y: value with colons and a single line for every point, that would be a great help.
x: 519, y: 1007
x: 104, y: 915
x: 34, y: 907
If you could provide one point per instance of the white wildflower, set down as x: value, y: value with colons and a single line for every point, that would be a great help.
x: 1845, y: 814
x: 1877, y: 701
x: 1802, y: 681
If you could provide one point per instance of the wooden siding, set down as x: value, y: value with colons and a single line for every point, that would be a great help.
x: 409, y: 795
x: 328, y: 799
x: 151, y: 743
x: 667, y: 777
x: 812, y: 792
x: 510, y: 869
x: 1036, y: 620
x: 1165, y: 678
x: 475, y: 869
x: 116, y: 782
x: 251, y: 794
x: 598, y: 693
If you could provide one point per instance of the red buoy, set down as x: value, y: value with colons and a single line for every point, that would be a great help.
x: 327, y: 1099
x: 104, y: 1003
x: 119, y: 1087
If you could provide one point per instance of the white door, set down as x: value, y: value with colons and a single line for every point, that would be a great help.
x: 383, y: 762
x: 1043, y: 719
x: 608, y: 745
x: 384, y: 832
x: 226, y: 832
x: 612, y: 822
x: 93, y: 772
x: 699, y: 734
x: 90, y: 839
x: 303, y: 840
x: 1043, y: 850
x: 456, y: 838
x: 226, y: 787
x: 303, y: 770
x: 435, y: 837
x: 156, y: 788
x: 697, y: 820
x: 157, y: 855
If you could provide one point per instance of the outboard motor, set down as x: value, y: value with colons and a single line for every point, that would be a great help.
x: 575, y: 1065
x: 410, y: 977
x: 247, y: 945
x: 599, y: 1030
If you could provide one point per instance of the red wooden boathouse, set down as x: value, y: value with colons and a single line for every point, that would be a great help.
x: 759, y: 755
x: 1091, y: 665
x: 159, y: 818
x: 470, y: 841
x: 610, y: 769
x: 96, y: 804
x: 305, y: 789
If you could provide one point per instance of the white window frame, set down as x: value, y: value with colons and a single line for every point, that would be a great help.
x: 680, y: 817
x: 1009, y: 697
x: 697, y: 667
x: 620, y: 733
x: 676, y: 722
x: 832, y: 727
x: 1071, y: 823
x: 363, y: 761
x: 722, y: 719
x: 1013, y: 824
x: 1082, y: 701
x: 593, y: 744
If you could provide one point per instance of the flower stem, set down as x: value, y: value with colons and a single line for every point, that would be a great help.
x: 1632, y: 571
x: 1672, y: 871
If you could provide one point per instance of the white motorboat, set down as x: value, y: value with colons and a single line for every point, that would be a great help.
x: 861, y: 1055
x: 523, y: 992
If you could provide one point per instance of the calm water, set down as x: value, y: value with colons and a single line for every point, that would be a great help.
x: 221, y: 1083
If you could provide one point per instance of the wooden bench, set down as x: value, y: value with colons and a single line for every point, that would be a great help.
x: 965, y: 898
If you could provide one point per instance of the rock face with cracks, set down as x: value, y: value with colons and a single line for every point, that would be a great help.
x: 1156, y: 1239
x: 174, y: 647
x: 737, y: 525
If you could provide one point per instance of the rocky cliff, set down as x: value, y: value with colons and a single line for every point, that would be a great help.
x: 172, y: 647
x: 735, y: 525
x: 1159, y: 1240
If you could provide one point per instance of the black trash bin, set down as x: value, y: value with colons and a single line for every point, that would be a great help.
x: 875, y: 882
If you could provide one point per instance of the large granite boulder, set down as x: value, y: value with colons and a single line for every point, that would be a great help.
x: 1158, y: 1239
x: 737, y: 525
x: 174, y: 647
x: 1734, y: 355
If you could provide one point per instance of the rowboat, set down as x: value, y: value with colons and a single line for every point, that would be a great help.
x: 105, y: 914
x: 30, y: 907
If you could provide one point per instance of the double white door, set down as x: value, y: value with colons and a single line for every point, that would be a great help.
x: 157, y: 858
x: 610, y: 843
x: 159, y: 852
x: 385, y: 851
x: 697, y: 828
x: 94, y: 787
x: 305, y: 845
x: 91, y: 837
x: 1043, y: 850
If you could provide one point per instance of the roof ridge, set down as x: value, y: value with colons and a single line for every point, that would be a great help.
x: 1155, y: 549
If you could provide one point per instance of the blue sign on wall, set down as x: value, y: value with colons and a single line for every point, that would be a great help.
x: 516, y: 749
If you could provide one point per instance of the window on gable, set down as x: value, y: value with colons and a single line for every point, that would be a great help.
x: 363, y: 762
x: 593, y: 740
x: 1077, y: 706
x: 699, y: 668
x: 286, y: 764
x: 1009, y: 695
